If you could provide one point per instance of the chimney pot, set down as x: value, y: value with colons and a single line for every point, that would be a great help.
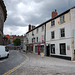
x: 54, y: 13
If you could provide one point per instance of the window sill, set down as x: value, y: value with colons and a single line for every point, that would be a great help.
x: 52, y: 26
x: 53, y: 39
x: 61, y: 23
x: 62, y: 37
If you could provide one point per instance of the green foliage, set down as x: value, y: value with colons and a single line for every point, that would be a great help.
x: 17, y: 42
x: 9, y: 42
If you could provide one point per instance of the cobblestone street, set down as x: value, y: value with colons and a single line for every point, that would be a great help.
x: 38, y: 65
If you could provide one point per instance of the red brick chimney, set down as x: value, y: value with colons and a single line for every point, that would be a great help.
x: 33, y: 27
x: 29, y: 28
x: 54, y: 13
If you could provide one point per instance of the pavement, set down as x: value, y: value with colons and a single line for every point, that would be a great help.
x: 37, y: 65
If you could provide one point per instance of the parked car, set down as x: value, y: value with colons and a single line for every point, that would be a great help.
x: 4, y: 52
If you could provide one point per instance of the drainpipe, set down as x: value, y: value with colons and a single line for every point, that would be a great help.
x: 45, y: 40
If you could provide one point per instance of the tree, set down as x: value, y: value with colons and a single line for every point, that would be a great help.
x: 17, y: 42
x: 9, y: 42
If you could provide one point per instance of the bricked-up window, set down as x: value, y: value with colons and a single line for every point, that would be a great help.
x: 37, y: 30
x: 32, y: 33
x: 42, y: 27
x: 62, y: 19
x: 37, y: 39
x: 62, y: 32
x: 32, y: 40
x: 52, y: 35
x: 52, y: 23
x: 53, y: 48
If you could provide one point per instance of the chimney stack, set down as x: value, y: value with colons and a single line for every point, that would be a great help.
x: 54, y: 13
x: 29, y: 27
x: 33, y: 27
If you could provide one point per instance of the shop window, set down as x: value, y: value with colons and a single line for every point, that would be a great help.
x: 63, y: 48
x: 36, y: 49
x: 53, y: 48
x: 42, y: 48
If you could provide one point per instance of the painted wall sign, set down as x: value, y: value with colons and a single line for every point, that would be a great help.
x: 74, y: 39
x: 68, y: 47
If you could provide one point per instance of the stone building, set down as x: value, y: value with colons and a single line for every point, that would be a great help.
x: 3, y: 16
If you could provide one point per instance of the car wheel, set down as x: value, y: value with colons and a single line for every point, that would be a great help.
x: 7, y: 55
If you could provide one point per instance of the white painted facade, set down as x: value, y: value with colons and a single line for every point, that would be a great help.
x: 69, y: 26
x: 39, y: 34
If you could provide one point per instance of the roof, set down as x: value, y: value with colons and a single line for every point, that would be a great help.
x: 51, y: 19
x: 4, y: 9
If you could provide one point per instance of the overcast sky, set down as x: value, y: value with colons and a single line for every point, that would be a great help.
x: 21, y: 13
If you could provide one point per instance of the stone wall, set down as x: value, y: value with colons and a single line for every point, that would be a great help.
x: 2, y: 20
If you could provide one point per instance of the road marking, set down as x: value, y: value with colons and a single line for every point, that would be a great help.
x: 15, y: 68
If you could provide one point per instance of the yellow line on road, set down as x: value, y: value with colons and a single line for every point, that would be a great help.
x: 15, y: 68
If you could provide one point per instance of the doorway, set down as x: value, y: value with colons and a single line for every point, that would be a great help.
x: 48, y: 50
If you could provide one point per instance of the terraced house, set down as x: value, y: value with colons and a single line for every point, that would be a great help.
x: 56, y: 36
x: 35, y: 38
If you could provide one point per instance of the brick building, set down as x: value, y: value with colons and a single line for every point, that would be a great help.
x: 12, y: 37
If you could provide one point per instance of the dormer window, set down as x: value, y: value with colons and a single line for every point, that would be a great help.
x: 52, y: 23
x: 62, y: 19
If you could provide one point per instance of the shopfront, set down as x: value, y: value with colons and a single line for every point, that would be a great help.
x: 39, y: 48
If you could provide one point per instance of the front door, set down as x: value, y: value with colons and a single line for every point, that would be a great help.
x: 47, y: 50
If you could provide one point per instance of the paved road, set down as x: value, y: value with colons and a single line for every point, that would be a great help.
x: 15, y: 58
x: 38, y: 65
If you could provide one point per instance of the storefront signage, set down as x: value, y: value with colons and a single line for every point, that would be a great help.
x: 68, y: 47
x: 42, y: 37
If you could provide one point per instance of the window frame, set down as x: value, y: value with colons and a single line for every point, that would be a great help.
x: 53, y: 23
x: 64, y: 50
x: 62, y: 33
x: 62, y: 19
x: 52, y: 51
x: 52, y: 34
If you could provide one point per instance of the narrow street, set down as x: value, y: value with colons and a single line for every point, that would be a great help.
x: 15, y: 58
x: 38, y: 65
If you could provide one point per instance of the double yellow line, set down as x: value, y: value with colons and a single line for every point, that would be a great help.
x: 15, y: 68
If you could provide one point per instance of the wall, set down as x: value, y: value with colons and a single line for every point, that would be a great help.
x: 57, y: 40
x: 1, y: 25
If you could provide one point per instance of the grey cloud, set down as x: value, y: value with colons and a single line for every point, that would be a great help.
x: 41, y: 10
